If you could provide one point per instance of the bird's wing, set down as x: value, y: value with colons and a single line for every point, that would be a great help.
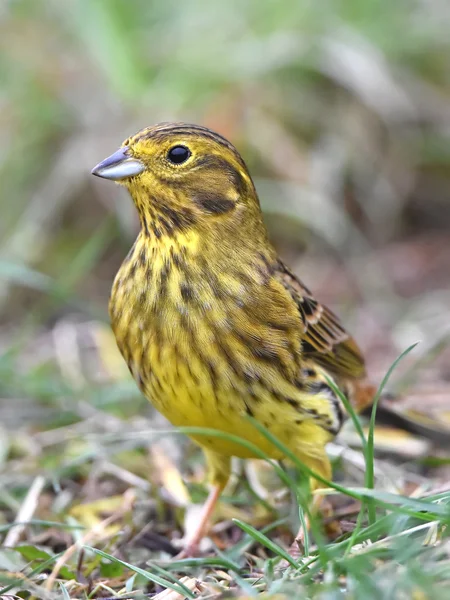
x: 324, y: 338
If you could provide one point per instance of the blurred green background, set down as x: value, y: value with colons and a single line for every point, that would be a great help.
x: 341, y: 110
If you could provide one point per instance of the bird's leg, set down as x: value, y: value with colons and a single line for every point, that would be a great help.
x: 192, y: 542
x: 321, y: 465
x: 218, y: 475
x: 318, y: 504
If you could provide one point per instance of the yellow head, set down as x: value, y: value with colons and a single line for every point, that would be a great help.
x: 183, y: 176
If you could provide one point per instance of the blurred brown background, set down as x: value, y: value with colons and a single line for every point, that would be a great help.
x: 340, y: 109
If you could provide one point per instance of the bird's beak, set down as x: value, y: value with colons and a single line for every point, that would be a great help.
x: 118, y: 166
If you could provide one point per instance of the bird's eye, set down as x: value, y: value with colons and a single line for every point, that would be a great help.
x: 178, y: 154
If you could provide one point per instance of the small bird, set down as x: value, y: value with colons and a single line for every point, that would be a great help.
x: 212, y: 324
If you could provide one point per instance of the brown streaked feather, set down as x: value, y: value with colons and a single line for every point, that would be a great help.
x: 324, y: 339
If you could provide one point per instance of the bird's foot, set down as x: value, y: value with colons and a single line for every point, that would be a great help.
x: 297, y: 548
x: 191, y: 545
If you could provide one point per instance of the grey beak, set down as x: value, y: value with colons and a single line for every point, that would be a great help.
x: 118, y: 166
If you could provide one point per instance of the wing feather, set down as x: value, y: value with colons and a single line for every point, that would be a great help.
x: 325, y: 339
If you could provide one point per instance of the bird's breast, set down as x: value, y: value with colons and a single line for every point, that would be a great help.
x: 207, y: 346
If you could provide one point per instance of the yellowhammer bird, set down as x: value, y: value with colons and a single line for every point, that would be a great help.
x: 211, y: 323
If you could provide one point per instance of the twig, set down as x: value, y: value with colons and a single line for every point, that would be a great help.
x: 125, y: 475
x: 97, y: 530
x: 385, y: 542
x: 25, y: 512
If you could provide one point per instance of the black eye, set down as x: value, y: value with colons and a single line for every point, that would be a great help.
x: 178, y: 154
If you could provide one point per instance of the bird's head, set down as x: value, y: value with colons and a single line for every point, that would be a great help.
x: 180, y: 174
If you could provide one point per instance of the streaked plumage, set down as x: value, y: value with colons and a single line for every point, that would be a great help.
x: 212, y: 324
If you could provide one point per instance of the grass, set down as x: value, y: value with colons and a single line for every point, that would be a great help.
x: 407, y: 534
x: 340, y: 110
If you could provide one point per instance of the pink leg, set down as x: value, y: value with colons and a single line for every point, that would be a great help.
x: 192, y: 543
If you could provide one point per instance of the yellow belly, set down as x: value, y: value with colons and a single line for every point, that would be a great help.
x: 188, y: 396
x: 205, y: 363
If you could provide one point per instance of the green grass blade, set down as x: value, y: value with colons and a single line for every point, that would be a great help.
x: 36, y: 571
x: 208, y: 561
x: 240, y: 547
x: 265, y: 541
x: 302, y: 518
x: 370, y: 450
x: 176, y: 587
x: 41, y: 523
x: 351, y: 411
x: 389, y: 501
x: 64, y: 592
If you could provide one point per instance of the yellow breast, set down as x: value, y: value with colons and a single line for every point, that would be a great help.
x: 199, y: 360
